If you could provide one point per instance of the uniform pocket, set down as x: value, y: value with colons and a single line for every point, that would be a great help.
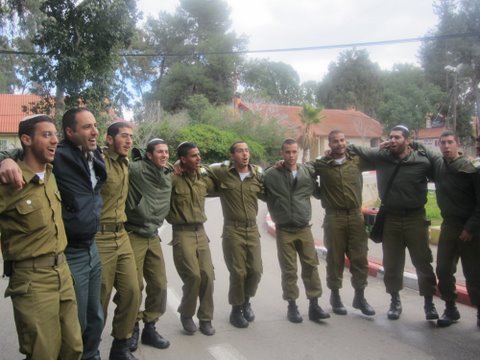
x: 31, y: 215
x: 17, y: 288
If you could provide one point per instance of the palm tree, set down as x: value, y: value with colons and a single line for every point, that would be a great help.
x: 309, y: 116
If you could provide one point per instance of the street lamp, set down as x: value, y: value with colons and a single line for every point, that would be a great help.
x: 454, y: 70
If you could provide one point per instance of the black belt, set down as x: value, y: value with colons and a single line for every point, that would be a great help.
x: 343, y: 211
x: 243, y: 224
x: 110, y: 227
x: 41, y: 261
x: 188, y: 227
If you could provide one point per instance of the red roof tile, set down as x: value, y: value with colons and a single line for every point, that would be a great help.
x: 431, y: 133
x: 11, y: 111
x: 352, y: 123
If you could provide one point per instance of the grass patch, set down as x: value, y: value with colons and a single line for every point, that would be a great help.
x: 433, y: 211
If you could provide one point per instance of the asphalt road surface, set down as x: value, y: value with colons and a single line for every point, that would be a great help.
x: 271, y: 336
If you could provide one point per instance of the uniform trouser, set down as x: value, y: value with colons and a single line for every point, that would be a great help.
x: 291, y: 242
x: 151, y: 266
x: 192, y: 258
x: 119, y: 271
x: 409, y: 230
x: 86, y: 270
x: 243, y: 257
x: 450, y: 249
x: 344, y: 234
x: 45, y: 313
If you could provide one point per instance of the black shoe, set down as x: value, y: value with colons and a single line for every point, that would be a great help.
x: 151, y: 337
x: 430, y: 310
x: 120, y: 351
x: 188, y: 325
x: 237, y: 318
x: 315, y: 313
x: 395, y: 307
x: 133, y: 341
x: 450, y: 315
x: 292, y: 314
x: 248, y: 313
x: 206, y: 327
x: 359, y: 302
x: 336, y: 302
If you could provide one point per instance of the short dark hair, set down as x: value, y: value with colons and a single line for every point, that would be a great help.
x: 69, y: 118
x: 403, y: 129
x: 153, y: 143
x: 184, y: 148
x: 289, y: 141
x: 449, y: 133
x: 113, y: 129
x: 234, y: 145
x: 333, y: 133
x: 27, y: 125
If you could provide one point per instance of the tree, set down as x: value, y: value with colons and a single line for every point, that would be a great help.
x: 309, y: 116
x: 461, y: 54
x: 408, y: 97
x: 354, y: 80
x: 199, y: 37
x: 275, y: 82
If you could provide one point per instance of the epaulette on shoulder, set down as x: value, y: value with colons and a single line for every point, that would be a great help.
x: 226, y: 163
x: 258, y: 169
x: 202, y: 171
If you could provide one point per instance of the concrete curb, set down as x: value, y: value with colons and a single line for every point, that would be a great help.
x: 375, y: 269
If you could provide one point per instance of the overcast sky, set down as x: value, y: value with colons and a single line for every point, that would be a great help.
x: 279, y: 24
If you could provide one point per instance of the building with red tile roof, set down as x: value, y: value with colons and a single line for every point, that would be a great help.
x: 14, y: 108
x: 359, y: 128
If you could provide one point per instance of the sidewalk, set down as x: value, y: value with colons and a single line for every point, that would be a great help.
x: 375, y: 255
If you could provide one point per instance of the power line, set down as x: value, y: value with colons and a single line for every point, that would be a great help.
x: 295, y: 49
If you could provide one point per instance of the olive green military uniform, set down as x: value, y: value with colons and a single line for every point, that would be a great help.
x: 148, y: 203
x: 41, y: 287
x: 405, y: 225
x: 343, y: 225
x: 191, y: 252
x: 241, y: 239
x: 118, y: 262
x: 457, y: 186
x: 288, y: 200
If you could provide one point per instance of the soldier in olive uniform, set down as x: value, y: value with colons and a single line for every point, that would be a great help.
x: 405, y: 225
x: 344, y: 228
x: 118, y: 261
x: 288, y: 190
x: 239, y: 184
x: 191, y: 252
x: 457, y: 185
x: 33, y: 240
x: 148, y: 203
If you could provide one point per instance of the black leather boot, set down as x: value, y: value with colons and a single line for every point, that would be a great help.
x: 237, y: 318
x: 292, y: 314
x: 188, y: 325
x: 450, y: 315
x: 248, y: 313
x: 359, y: 302
x: 206, y: 328
x: 133, y: 341
x: 151, y: 337
x: 395, y: 307
x: 120, y: 351
x: 430, y: 310
x: 315, y: 312
x: 336, y: 302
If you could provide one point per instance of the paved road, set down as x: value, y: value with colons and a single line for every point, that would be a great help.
x: 271, y: 336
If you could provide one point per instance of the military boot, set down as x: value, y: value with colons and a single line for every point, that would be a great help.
x: 430, y: 310
x: 188, y: 325
x: 292, y: 314
x: 206, y: 327
x: 359, y: 302
x: 237, y: 318
x: 120, y: 351
x: 450, y: 315
x: 395, y: 307
x: 315, y: 312
x: 133, y: 341
x: 151, y: 337
x: 248, y: 313
x: 336, y: 302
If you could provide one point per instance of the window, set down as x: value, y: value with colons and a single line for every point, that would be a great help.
x: 3, y: 145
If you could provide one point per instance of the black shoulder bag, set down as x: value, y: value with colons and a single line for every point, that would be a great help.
x: 376, y: 232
